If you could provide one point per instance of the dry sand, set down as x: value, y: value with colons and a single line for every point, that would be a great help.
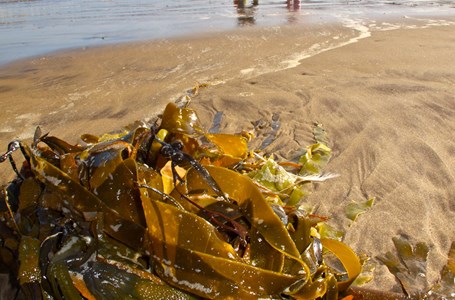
x: 387, y: 102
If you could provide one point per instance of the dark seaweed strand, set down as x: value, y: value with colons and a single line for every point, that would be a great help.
x: 12, y: 147
x: 174, y: 152
x: 235, y: 227
x: 206, y: 175
x: 164, y: 195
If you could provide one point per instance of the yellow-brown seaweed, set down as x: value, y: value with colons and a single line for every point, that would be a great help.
x: 100, y: 210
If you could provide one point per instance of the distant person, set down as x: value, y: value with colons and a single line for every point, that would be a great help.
x: 242, y: 3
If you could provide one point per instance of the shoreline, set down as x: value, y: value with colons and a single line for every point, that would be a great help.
x: 302, y: 16
x: 386, y: 102
x: 258, y: 54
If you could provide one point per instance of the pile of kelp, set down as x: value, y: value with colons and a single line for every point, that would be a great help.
x: 167, y: 211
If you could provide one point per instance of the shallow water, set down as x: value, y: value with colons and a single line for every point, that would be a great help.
x: 30, y: 28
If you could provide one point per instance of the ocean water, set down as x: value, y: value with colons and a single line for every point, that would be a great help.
x: 34, y: 27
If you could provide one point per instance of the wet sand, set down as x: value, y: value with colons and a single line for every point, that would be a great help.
x: 386, y: 99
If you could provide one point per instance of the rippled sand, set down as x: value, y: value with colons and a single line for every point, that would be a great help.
x: 384, y: 91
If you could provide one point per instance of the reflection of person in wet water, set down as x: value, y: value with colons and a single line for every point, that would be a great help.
x: 246, y: 12
x: 293, y: 5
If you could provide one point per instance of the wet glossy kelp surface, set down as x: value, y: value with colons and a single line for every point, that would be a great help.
x: 165, y: 210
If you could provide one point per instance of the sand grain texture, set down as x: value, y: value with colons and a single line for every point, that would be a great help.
x: 387, y: 102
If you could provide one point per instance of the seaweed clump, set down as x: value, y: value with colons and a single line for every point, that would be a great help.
x: 166, y: 211
x: 409, y: 265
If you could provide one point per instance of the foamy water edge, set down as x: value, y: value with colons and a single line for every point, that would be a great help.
x: 364, y: 28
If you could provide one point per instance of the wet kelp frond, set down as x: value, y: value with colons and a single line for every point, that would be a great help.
x: 168, y: 211
x: 354, y: 209
x: 409, y: 265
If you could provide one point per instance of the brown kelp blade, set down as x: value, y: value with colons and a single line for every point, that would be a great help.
x: 84, y: 201
x: 347, y: 257
x: 203, y: 263
x: 241, y: 189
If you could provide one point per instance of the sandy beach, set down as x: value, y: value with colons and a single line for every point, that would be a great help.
x: 385, y: 97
